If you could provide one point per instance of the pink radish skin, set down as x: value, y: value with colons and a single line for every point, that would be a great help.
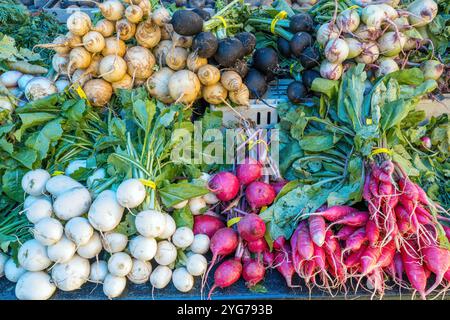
x: 257, y: 246
x: 253, y: 272
x: 379, y: 174
x: 385, y: 188
x: 372, y: 232
x: 423, y: 198
x: 398, y: 265
x: 206, y: 224
x: 366, y: 190
x: 279, y: 243
x: 223, y: 242
x: 284, y: 264
x: 226, y: 274
x: 356, y: 240
x: 249, y: 171
x: 331, y: 243
x: 224, y: 185
x: 268, y: 258
x: 277, y: 186
x: 259, y: 194
x: 335, y: 213
x: 447, y: 232
x: 354, y: 219
x: 438, y: 261
x: 387, y: 255
x: 344, y: 232
x: 387, y: 166
x: 305, y: 246
x: 354, y: 258
x: 319, y: 257
x: 369, y: 260
x: 408, y: 189
x: 317, y: 229
x: 373, y: 186
x: 251, y: 227
x: 415, y: 272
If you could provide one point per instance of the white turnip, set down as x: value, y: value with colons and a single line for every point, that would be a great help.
x: 180, y: 205
x: 38, y: 88
x: 432, y: 69
x: 62, y: 251
x: 62, y: 84
x: 326, y: 32
x: 71, y: 275
x: 176, y: 58
x: 365, y: 34
x: 161, y: 16
x: 92, y: 248
x: 348, y: 20
x: 140, y: 272
x: 147, y: 34
x: 13, y: 271
x: 98, y: 174
x: 142, y: 248
x: 23, y: 80
x: 98, y: 92
x: 369, y: 54
x: 80, y: 76
x: 197, y: 205
x: 98, y: 272
x: 105, y: 27
x: 166, y: 253
x: 330, y: 70
x: 39, y: 209
x: 196, y: 265
x: 150, y: 223
x: 32, y: 256
x: 48, y: 231
x: 72, y: 203
x: 391, y: 43
x: 373, y: 16
x: 183, y: 237
x: 354, y: 47
x: 184, y: 86
x: 386, y: 66
x: 93, y: 41
x: 34, y: 286
x: 160, y: 277
x: 79, y: 23
x: 140, y: 62
x: 78, y: 230
x: 112, y: 68
x: 125, y: 29
x: 422, y: 12
x: 169, y: 229
x: 10, y: 78
x: 158, y: 85
x: 200, y: 244
x: 336, y: 50
x: 114, y: 46
x: 130, y: 193
x: 120, y: 264
x: 33, y: 182
x: 134, y: 13
x: 114, y: 242
x: 59, y: 184
x: 182, y: 280
x: 3, y: 260
x: 114, y: 286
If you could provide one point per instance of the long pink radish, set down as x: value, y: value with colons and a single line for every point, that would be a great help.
x: 354, y: 219
x: 399, y: 268
x: 372, y: 232
x: 305, y: 246
x: 356, y: 240
x: 387, y: 255
x: 408, y: 188
x: 354, y: 258
x: 317, y: 229
x: 438, y: 261
x: 415, y: 272
x: 226, y: 274
x: 335, y: 213
x: 369, y: 259
x: 284, y: 264
x: 344, y: 232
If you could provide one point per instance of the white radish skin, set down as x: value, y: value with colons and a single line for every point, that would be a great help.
x: 79, y: 23
x: 160, y: 277
x: 12, y: 271
x: 150, y: 223
x: 105, y: 27
x: 326, y: 33
x: 196, y: 205
x: 78, y: 230
x: 3, y: 260
x: 92, y: 248
x: 161, y: 16
x: 33, y: 182
x: 71, y: 275
x: 105, y: 212
x: 183, y: 237
x: 196, y: 265
x: 112, y: 10
x: 130, y: 193
x: 39, y: 209
x: 98, y: 174
x: 348, y: 21
x: 200, y: 244
x: 33, y: 256
x: 134, y: 13
x: 34, y: 286
x: 140, y: 62
x: 143, y: 248
x: 370, y: 53
x: 182, y: 280
x: 169, y: 229
x: 158, y: 85
x: 166, y: 253
x: 38, y: 88
x: 23, y: 80
x: 99, y: 270
x: 181, y: 204
x: 330, y: 70
x: 125, y: 29
x: 74, y: 166
x: 114, y: 46
x: 140, y: 272
x: 112, y: 68
x: 62, y: 251
x: 336, y: 50
x: 120, y: 264
x: 58, y: 185
x: 354, y: 47
x: 48, y: 231
x: 72, y: 203
x: 210, y: 198
x: 114, y: 286
x: 114, y: 242
x: 10, y: 79
x: 98, y: 92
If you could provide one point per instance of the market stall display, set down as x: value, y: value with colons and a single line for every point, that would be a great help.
x: 356, y: 200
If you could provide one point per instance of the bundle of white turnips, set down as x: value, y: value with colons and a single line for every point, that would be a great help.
x: 76, y: 240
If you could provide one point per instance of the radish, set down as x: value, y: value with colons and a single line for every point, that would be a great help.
x: 13, y: 271
x: 71, y: 275
x: 226, y: 274
x: 72, y: 203
x: 105, y: 27
x: 348, y: 20
x: 251, y: 227
x: 354, y: 258
x: 98, y: 272
x: 180, y: 205
x: 200, y: 244
x: 344, y: 232
x: 432, y: 69
x: 33, y: 182
x: 253, y: 272
x: 305, y: 246
x: 210, y: 198
x: 370, y: 53
x: 259, y: 194
x: 140, y: 62
x: 422, y: 12
x: 60, y: 184
x: 387, y: 255
x: 105, y: 212
x: 248, y: 171
x: 114, y: 242
x: 184, y: 86
x: 92, y: 248
x: 182, y: 280
x: 39, y: 209
x: 257, y: 246
x: 143, y: 248
x: 372, y: 232
x: 391, y: 43
x: 34, y: 286
x: 140, y: 272
x: 336, y: 50
x: 196, y: 264
x: 32, y: 256
x: 326, y: 32
x: 114, y: 286
x: 331, y: 71
x: 98, y: 174
x: 78, y: 230
x: 356, y: 240
x: 317, y: 229
x: 160, y: 277
x: 373, y: 16
x: 206, y: 224
x: 335, y: 213
x: 166, y: 253
x: 354, y: 219
x: 130, y: 193
x: 150, y: 223
x: 369, y: 259
x: 119, y: 264
x: 197, y: 205
x: 112, y: 68
x: 62, y: 251
x: 183, y: 237
x: 224, y: 185
x: 284, y: 264
x: 438, y: 261
x: 170, y: 228
x: 414, y: 271
x: 48, y: 231
x: 114, y: 46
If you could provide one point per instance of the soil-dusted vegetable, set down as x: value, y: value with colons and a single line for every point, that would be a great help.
x: 34, y: 286
x: 79, y: 23
x: 105, y: 27
x: 62, y: 251
x: 386, y: 66
x: 125, y: 83
x: 38, y: 88
x: 32, y: 256
x: 98, y: 92
x: 240, y: 96
x: 182, y: 41
x: 105, y: 212
x: 330, y: 70
x: 161, y: 16
x: 229, y: 50
x: 114, y: 242
x: 248, y: 41
x: 160, y: 277
x: 301, y: 22
x: 60, y: 63
x: 348, y: 20
x: 205, y: 44
x: 326, y: 32
x: 194, y: 62
x: 206, y: 224
x: 296, y: 91
x: 184, y: 86
x: 310, y: 57
x: 134, y: 13
x: 256, y: 83
x: 354, y: 47
x: 158, y: 85
x: 265, y: 60
x: 143, y: 248
x: 176, y: 58
x: 140, y: 62
x: 208, y: 75
x: 422, y: 12
x: 94, y: 41
x: 125, y: 29
x: 161, y: 51
x: 432, y: 69
x: 186, y: 22
x: 391, y: 43
x: 370, y: 53
x: 259, y: 194
x: 284, y: 47
x: 112, y: 68
x: 214, y: 94
x: 114, y: 286
x: 147, y: 34
x: 336, y: 50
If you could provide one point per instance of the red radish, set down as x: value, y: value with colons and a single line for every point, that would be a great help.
x: 259, y: 194
x: 387, y: 255
x: 279, y: 243
x: 398, y: 264
x: 415, y: 272
x: 438, y: 261
x: 226, y: 274
x: 408, y: 189
x: 249, y: 171
x: 319, y: 257
x: 331, y: 243
x: 284, y: 264
x: 447, y: 232
x: 251, y: 227
x: 257, y: 246
x: 369, y: 260
x: 296, y: 258
x: 356, y: 240
x: 344, y: 232
x: 317, y: 229
x: 380, y: 175
x: 372, y: 232
x: 373, y: 186
x: 447, y: 275
x: 426, y: 142
x: 277, y: 186
x: 335, y: 213
x: 385, y: 188
x: 305, y: 246
x: 423, y: 198
x: 403, y: 220
x: 387, y: 166
x: 253, y: 272
x: 354, y: 258
x: 366, y: 190
x: 268, y: 258
x: 206, y: 224
x: 224, y: 185
x: 354, y: 219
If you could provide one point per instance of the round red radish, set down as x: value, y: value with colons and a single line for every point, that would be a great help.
x: 257, y: 246
x: 251, y: 227
x: 226, y: 274
x: 206, y: 224
x: 277, y: 186
x: 249, y: 171
x: 253, y: 272
x: 259, y: 194
x: 224, y: 185
x: 268, y: 258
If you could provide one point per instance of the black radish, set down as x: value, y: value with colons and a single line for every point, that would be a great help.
x: 256, y: 83
x: 283, y: 47
x: 205, y: 44
x: 296, y: 91
x: 186, y: 22
x: 301, y: 22
x: 228, y: 51
x: 265, y: 60
x: 299, y: 42
x: 308, y: 76
x: 248, y: 41
x: 310, y: 57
